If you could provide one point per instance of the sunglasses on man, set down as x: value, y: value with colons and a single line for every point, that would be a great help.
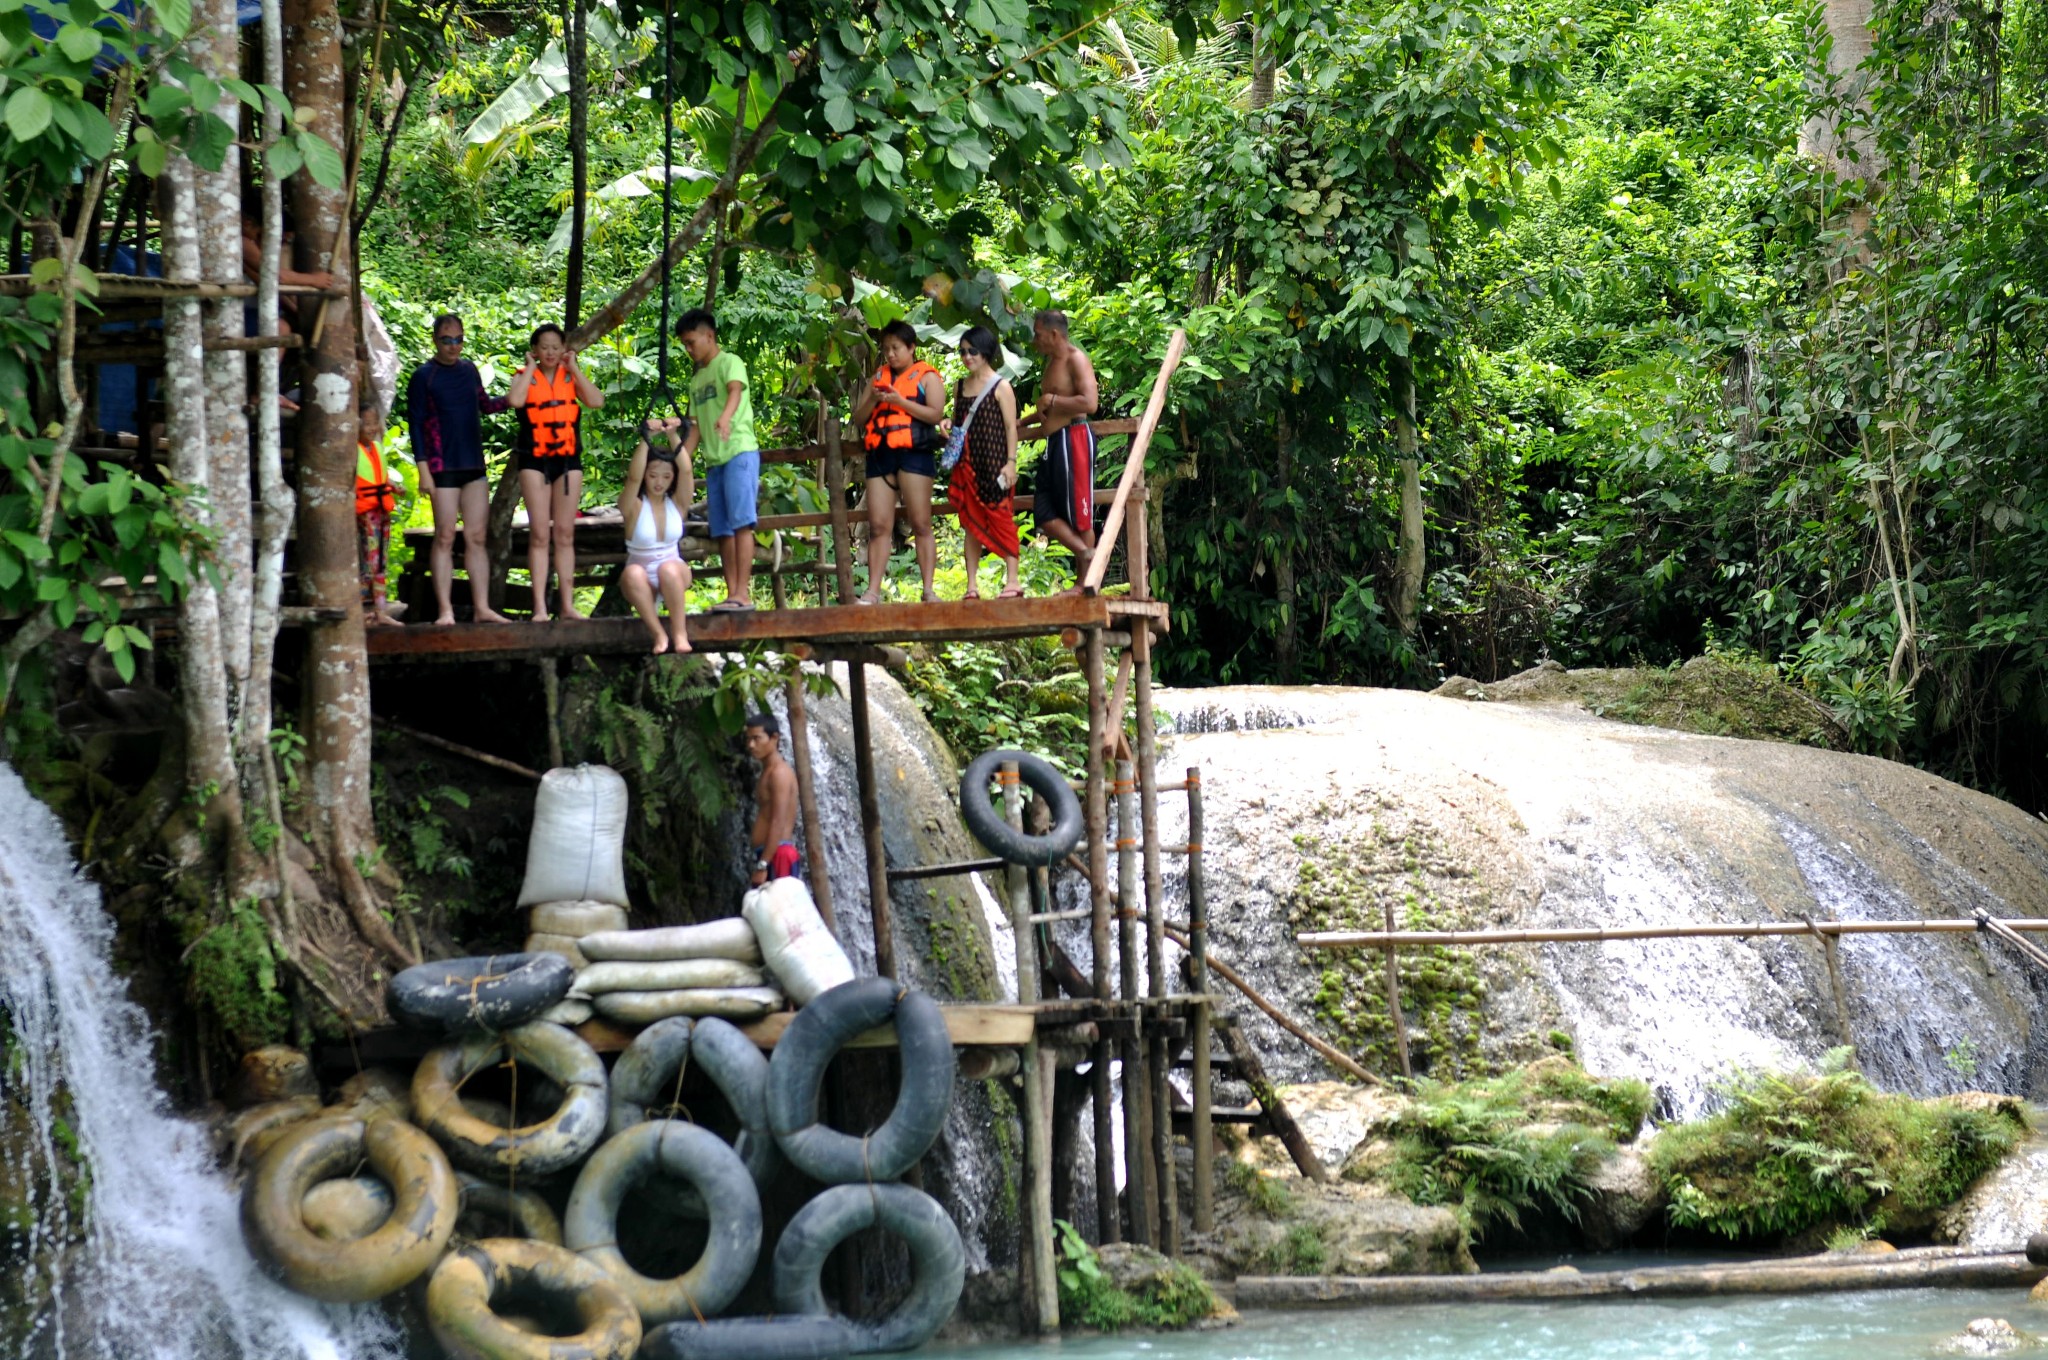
x: 447, y: 339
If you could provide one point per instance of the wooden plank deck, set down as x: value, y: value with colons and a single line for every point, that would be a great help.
x: 947, y: 621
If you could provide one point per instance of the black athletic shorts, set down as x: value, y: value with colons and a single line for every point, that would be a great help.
x: 459, y: 477
x: 554, y: 469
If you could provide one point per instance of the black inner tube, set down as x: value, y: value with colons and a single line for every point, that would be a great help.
x: 463, y: 996
x: 985, y: 819
x: 938, y: 1259
x: 797, y: 1070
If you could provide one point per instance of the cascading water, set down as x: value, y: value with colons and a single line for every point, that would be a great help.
x: 148, y: 1264
x: 1454, y: 813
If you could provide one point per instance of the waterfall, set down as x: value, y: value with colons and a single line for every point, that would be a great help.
x: 1463, y: 815
x: 150, y: 1265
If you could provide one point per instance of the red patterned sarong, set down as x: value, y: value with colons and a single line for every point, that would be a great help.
x: 994, y: 526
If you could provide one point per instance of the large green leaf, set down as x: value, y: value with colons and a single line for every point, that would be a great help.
x: 28, y: 113
x: 545, y: 79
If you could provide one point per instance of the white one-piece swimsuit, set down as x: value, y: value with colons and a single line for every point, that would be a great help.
x: 647, y: 548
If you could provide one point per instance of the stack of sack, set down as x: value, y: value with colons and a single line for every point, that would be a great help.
x: 575, y: 871
x: 636, y: 977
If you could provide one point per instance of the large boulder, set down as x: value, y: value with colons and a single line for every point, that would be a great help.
x: 1285, y: 1225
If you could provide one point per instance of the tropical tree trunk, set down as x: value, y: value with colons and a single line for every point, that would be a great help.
x: 210, y: 780
x: 1849, y: 151
x: 1287, y: 641
x: 1410, y: 559
x: 579, y: 158
x: 336, y: 679
x: 1265, y: 70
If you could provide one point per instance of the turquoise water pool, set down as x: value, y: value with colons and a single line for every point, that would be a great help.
x: 1878, y: 1325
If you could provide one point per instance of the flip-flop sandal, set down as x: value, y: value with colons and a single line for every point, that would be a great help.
x: 1012, y: 593
x: 731, y: 607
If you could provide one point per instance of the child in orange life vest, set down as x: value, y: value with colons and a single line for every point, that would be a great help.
x: 551, y: 394
x: 376, y: 494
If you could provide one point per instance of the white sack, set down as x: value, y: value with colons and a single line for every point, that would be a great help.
x: 731, y: 938
x: 577, y: 850
x: 567, y: 1011
x: 644, y: 1008
x: 539, y: 943
x: 575, y: 919
x: 800, y: 951
x: 666, y: 975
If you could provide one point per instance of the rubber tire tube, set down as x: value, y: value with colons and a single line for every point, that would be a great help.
x: 646, y: 1072
x: 985, y: 820
x: 751, y: 1338
x: 447, y: 994
x: 403, y: 1249
x: 504, y: 1211
x: 459, y: 1303
x: 797, y: 1071
x: 938, y: 1260
x: 687, y: 1152
x: 345, y: 1210
x: 557, y: 1142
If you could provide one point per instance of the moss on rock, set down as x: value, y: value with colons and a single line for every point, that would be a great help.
x: 1721, y: 694
x: 1803, y: 1154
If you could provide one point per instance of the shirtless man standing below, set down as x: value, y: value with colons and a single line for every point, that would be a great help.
x: 1065, y: 482
x: 774, y: 835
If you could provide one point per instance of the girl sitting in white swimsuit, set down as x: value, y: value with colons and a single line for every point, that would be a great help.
x: 654, y: 526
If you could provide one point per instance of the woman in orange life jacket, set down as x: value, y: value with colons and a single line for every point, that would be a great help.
x: 550, y: 394
x: 899, y: 414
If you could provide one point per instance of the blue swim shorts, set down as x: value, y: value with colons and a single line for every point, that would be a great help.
x: 732, y: 488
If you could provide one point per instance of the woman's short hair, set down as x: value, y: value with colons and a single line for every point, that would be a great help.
x: 901, y: 330
x: 445, y: 320
x: 983, y: 341
x: 544, y: 328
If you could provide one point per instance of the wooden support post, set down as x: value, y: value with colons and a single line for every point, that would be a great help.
x: 871, y: 822
x: 1108, y: 1226
x: 1829, y: 945
x: 1394, y: 998
x: 1198, y: 975
x: 807, y: 798
x: 1137, y: 1139
x: 1253, y: 1071
x: 1164, y: 1177
x: 1040, y: 1294
x: 835, y: 502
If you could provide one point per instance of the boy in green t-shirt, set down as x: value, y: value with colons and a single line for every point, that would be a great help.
x: 730, y: 458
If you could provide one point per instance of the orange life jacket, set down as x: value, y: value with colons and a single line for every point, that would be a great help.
x: 891, y: 427
x: 551, y: 414
x: 373, y: 485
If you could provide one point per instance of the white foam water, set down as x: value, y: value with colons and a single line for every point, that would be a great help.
x: 151, y: 1265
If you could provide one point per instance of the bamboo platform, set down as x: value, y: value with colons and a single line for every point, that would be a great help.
x: 841, y: 625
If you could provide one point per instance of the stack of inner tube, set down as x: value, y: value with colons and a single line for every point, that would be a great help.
x: 509, y: 1213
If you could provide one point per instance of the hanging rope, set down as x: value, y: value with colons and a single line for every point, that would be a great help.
x: 667, y: 396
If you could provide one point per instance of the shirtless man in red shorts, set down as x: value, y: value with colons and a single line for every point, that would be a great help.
x: 1064, y: 485
x: 774, y: 832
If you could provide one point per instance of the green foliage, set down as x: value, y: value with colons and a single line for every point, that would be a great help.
x: 1266, y: 1194
x: 1301, y: 1252
x: 1792, y: 1152
x: 232, y: 971
x: 1525, y: 1142
x: 1172, y: 1296
x: 1027, y: 694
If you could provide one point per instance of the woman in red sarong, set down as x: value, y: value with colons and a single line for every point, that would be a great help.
x: 982, y: 488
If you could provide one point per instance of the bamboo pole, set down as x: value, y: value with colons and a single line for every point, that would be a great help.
x: 1394, y: 997
x: 1402, y: 939
x: 1198, y: 976
x: 1939, y: 1267
x: 1230, y: 975
x: 1134, y: 463
x: 835, y: 503
x: 1164, y: 1177
x: 1108, y: 1227
x: 816, y: 868
x: 457, y: 748
x: 1041, y: 1295
x: 871, y: 822
x: 1137, y: 1140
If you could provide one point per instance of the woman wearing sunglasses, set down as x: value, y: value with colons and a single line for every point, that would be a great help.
x: 983, y: 485
x: 445, y: 404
